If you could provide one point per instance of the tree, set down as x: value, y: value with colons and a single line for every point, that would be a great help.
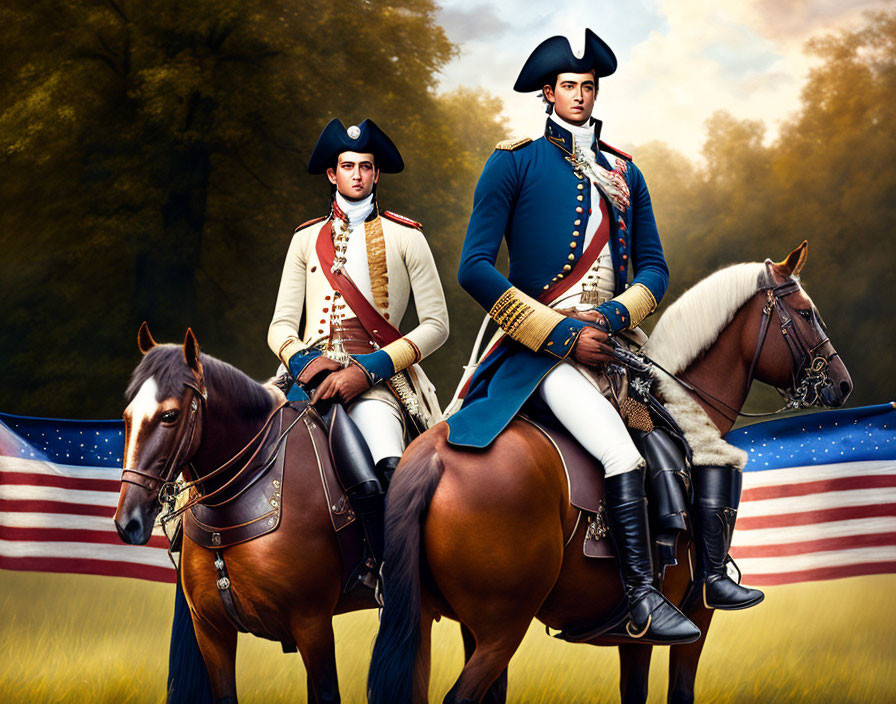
x: 153, y: 168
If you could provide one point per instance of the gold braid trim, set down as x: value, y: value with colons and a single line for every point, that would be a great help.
x: 288, y: 349
x: 403, y: 353
x: 376, y: 262
x: 523, y: 318
x: 638, y: 301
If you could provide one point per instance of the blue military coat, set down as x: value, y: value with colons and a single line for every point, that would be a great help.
x: 530, y: 195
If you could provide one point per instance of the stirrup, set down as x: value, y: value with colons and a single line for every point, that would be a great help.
x: 628, y: 627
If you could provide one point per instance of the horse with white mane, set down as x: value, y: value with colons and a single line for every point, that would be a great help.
x: 481, y: 537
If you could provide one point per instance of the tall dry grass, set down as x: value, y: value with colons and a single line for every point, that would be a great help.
x: 69, y: 638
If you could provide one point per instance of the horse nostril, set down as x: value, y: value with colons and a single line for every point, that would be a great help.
x: 845, y: 388
x: 133, y: 531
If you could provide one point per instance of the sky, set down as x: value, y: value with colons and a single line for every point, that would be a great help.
x: 679, y: 60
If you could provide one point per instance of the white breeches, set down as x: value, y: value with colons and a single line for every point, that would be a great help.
x: 590, y: 418
x: 380, y: 424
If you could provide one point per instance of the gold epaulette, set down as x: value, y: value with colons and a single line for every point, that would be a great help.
x: 511, y: 145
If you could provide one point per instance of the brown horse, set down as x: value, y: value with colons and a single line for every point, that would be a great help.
x: 480, y: 536
x: 290, y: 580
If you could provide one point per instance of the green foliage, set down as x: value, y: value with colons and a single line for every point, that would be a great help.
x: 830, y: 178
x: 153, y: 168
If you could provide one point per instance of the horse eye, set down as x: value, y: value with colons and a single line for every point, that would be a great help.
x: 807, y: 314
x: 170, y: 416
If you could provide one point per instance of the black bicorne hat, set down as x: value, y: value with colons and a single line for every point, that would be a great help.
x: 365, y: 138
x: 555, y: 56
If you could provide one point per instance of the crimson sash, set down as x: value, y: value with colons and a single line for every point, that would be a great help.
x: 380, y: 330
x: 600, y: 239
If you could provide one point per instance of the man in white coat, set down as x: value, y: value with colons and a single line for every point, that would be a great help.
x: 345, y: 287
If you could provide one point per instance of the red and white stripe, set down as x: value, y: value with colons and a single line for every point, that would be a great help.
x: 803, y: 524
x: 58, y: 518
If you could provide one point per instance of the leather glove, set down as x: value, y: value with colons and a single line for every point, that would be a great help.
x: 317, y: 367
x: 345, y: 384
x: 591, y: 347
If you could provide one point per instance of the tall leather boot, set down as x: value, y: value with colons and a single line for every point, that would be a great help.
x: 385, y: 468
x: 716, y: 497
x: 356, y: 471
x: 652, y: 617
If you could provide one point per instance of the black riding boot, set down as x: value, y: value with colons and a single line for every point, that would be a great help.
x: 354, y: 466
x: 653, y: 618
x: 385, y: 468
x: 716, y: 496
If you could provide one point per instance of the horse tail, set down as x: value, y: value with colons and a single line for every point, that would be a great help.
x: 393, y: 671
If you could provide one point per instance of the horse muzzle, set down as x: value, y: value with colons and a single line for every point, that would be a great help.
x: 834, y: 395
x: 839, y: 384
x: 134, y: 522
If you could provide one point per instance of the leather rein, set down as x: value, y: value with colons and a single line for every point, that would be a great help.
x: 188, y: 444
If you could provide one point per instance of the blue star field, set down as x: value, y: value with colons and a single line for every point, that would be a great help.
x: 826, y: 437
x: 86, y: 443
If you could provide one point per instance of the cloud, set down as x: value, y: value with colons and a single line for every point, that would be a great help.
x: 797, y: 20
x: 679, y: 60
x: 479, y: 22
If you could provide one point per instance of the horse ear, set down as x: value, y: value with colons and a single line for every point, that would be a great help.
x: 191, y: 355
x: 144, y: 339
x: 794, y: 261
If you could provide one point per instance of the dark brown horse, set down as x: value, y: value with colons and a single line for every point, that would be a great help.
x: 480, y: 536
x: 290, y: 580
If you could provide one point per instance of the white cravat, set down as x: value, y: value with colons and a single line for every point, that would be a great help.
x: 583, y: 134
x: 356, y: 210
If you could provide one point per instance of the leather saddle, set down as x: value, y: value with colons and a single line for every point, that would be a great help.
x: 667, y: 487
x: 253, y: 505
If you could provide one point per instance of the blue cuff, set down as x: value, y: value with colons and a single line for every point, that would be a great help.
x: 563, y: 338
x: 378, y: 365
x: 616, y: 314
x: 300, y: 360
x: 297, y: 394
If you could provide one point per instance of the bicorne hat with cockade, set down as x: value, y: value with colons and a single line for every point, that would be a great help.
x: 366, y: 138
x: 555, y: 56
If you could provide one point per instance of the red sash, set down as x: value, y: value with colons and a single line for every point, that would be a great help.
x: 380, y: 330
x: 589, y: 256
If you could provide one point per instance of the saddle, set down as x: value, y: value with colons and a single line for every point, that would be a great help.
x: 252, y: 506
x: 667, y: 488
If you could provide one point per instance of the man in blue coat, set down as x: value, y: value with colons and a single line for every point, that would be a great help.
x: 575, y: 223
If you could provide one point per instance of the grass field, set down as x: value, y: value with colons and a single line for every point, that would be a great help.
x: 68, y: 638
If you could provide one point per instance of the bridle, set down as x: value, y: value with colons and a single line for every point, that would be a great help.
x: 809, y: 371
x: 188, y: 442
x: 810, y: 364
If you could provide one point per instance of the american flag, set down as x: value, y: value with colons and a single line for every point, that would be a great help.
x: 819, y: 498
x: 59, y: 484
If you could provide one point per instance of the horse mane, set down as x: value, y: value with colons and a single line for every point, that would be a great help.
x: 166, y: 364
x: 695, y: 320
